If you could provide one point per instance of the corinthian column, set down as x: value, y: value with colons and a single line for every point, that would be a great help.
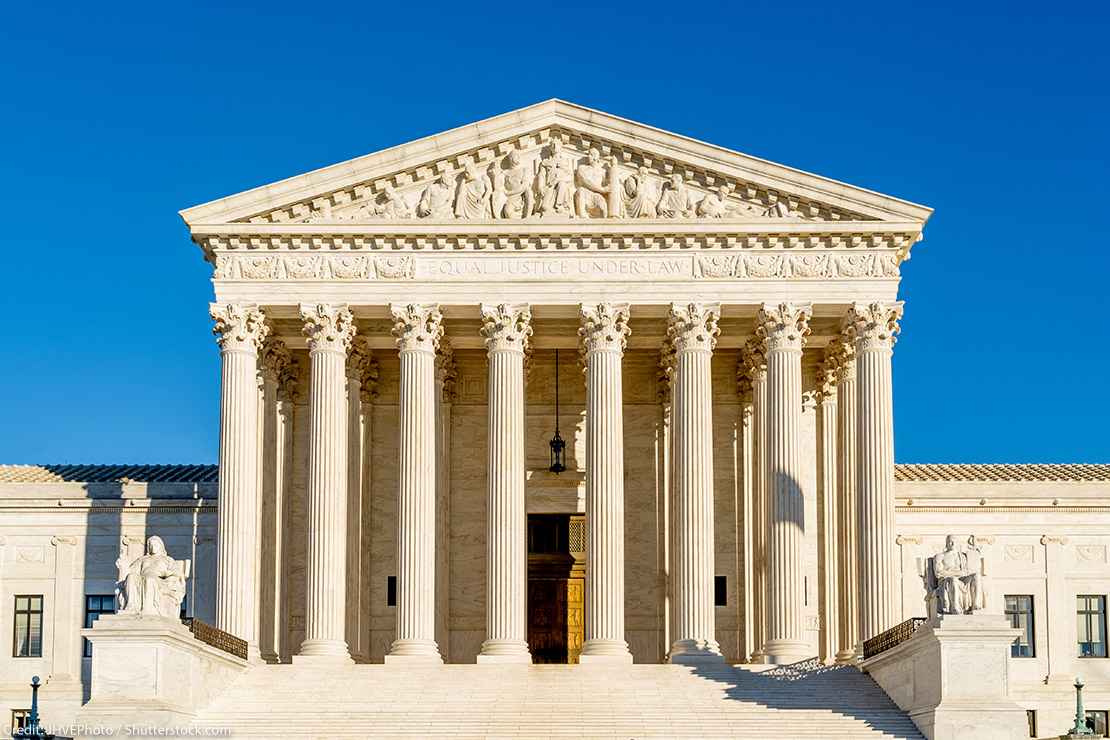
x: 755, y: 368
x: 783, y: 329
x: 240, y: 330
x: 848, y: 558
x: 873, y: 327
x: 692, y: 333
x: 827, y: 522
x: 604, y: 333
x: 506, y: 330
x: 330, y: 330
x: 418, y: 329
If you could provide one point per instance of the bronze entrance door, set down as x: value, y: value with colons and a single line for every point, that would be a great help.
x: 556, y: 587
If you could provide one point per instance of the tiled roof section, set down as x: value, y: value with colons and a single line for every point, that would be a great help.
x: 1003, y: 473
x: 108, y: 473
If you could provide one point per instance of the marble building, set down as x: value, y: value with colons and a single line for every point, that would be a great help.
x: 403, y: 335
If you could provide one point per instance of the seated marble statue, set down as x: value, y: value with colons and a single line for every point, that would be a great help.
x: 953, y: 580
x: 152, y: 584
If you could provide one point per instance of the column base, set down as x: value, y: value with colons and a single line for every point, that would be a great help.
x: 323, y: 652
x: 505, y: 651
x: 848, y: 657
x: 414, y: 651
x: 695, y: 651
x: 602, y: 652
x: 784, y: 652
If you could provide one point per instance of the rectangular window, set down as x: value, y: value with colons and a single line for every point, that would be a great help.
x: 95, y: 605
x: 391, y: 591
x: 27, y: 637
x: 19, y: 719
x: 1097, y: 721
x: 1031, y: 718
x: 1090, y: 625
x: 720, y: 591
x: 1019, y: 610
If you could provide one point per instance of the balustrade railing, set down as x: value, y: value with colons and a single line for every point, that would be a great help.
x: 896, y: 635
x: 217, y: 638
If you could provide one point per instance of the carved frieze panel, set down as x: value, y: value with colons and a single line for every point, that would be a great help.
x: 555, y: 172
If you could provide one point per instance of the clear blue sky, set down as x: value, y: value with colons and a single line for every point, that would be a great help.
x: 117, y: 115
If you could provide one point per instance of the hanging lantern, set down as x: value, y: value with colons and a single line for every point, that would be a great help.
x: 558, y: 445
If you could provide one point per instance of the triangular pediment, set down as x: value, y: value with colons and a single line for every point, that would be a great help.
x: 555, y: 161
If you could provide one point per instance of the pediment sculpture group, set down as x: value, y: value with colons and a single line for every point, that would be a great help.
x: 954, y: 579
x: 551, y: 187
x: 152, y: 584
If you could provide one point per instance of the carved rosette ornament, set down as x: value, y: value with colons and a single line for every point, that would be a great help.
x: 417, y: 327
x: 693, y: 327
x: 506, y: 327
x: 604, y: 327
x: 329, y: 328
x: 873, y: 326
x: 240, y: 327
x: 785, y: 326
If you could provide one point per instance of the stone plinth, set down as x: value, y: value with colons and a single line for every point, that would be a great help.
x: 952, y: 678
x: 151, y: 671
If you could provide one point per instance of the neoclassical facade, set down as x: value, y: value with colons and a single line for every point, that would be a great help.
x: 406, y: 337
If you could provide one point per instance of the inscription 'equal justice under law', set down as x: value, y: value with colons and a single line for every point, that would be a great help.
x: 549, y: 267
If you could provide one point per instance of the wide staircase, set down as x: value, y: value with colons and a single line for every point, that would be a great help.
x: 805, y: 700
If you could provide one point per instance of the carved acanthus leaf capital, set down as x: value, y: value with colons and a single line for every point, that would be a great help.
x: 828, y: 372
x: 873, y: 326
x: 664, y: 376
x: 289, y: 381
x: 693, y: 326
x: 275, y: 357
x: 784, y: 326
x: 752, y: 365
x: 368, y: 390
x: 240, y: 327
x: 417, y: 327
x: 329, y: 328
x: 357, y: 357
x: 447, y: 371
x: 841, y: 353
x: 604, y: 327
x: 506, y: 327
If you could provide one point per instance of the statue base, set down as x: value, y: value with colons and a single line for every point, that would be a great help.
x: 952, y: 678
x: 150, y: 671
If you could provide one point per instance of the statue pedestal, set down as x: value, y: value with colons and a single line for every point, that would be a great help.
x: 952, y: 678
x: 151, y: 671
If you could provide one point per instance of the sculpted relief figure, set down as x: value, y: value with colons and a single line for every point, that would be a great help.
x: 778, y: 208
x: 152, y: 584
x: 953, y: 579
x: 554, y: 185
x: 639, y: 195
x: 591, y: 199
x: 438, y: 199
x: 676, y: 201
x: 715, y: 204
x: 513, y: 189
x: 392, y: 205
x: 475, y: 191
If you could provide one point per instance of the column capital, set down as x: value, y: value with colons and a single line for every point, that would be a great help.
x: 329, y: 328
x: 368, y: 390
x: 358, y: 356
x: 873, y: 326
x: 604, y: 327
x: 506, y: 327
x: 240, y: 327
x: 447, y: 371
x: 753, y: 361
x: 784, y: 326
x: 841, y: 355
x: 664, y: 374
x: 290, y: 379
x: 828, y: 373
x: 274, y: 360
x: 417, y: 327
x: 693, y: 326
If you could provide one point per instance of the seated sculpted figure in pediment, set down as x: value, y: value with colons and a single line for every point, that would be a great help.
x: 152, y: 584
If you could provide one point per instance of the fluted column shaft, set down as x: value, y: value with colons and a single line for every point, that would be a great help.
x: 274, y: 435
x: 692, y: 333
x: 604, y: 333
x: 828, y: 523
x: 848, y: 564
x: 240, y: 331
x: 330, y: 330
x: 755, y: 368
x: 784, y: 328
x: 506, y: 330
x: 873, y: 327
x: 418, y: 329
